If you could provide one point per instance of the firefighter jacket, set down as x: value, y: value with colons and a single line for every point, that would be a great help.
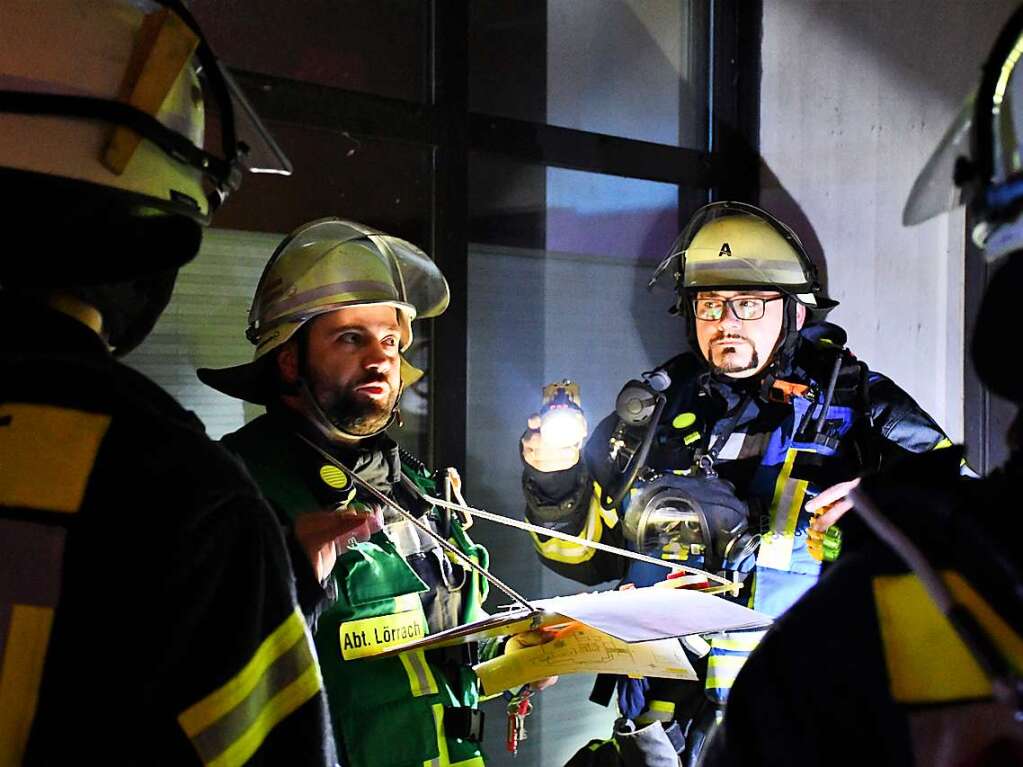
x: 865, y: 669
x: 764, y: 449
x: 147, y: 611
x: 414, y: 708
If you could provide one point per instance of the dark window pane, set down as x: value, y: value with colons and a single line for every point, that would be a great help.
x: 557, y: 272
x: 384, y: 184
x: 630, y: 68
x: 376, y: 47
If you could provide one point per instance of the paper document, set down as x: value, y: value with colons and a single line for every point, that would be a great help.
x: 577, y: 648
x: 633, y: 615
x: 640, y: 615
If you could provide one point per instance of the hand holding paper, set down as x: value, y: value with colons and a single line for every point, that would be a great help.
x: 578, y: 648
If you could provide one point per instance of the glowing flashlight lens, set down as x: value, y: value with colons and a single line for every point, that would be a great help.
x: 562, y: 427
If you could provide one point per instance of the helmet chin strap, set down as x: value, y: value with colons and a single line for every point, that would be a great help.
x: 784, y: 350
x: 327, y: 428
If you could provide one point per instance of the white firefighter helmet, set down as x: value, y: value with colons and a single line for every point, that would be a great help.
x: 102, y: 103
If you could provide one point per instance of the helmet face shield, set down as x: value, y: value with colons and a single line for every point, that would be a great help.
x: 934, y: 191
x: 331, y: 264
x: 262, y: 153
x: 111, y: 93
x: 978, y: 161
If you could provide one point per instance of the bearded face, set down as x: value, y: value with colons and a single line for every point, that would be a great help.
x: 353, y: 407
x: 353, y: 366
x: 735, y: 347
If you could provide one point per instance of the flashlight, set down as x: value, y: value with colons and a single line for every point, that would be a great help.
x: 562, y: 423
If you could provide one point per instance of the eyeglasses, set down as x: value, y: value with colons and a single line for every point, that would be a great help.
x: 744, y: 307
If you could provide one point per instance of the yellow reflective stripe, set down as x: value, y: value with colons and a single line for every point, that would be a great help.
x: 20, y: 675
x: 610, y: 516
x: 723, y: 669
x: 277, y: 708
x: 662, y: 706
x: 776, y: 544
x: 568, y: 551
x: 442, y: 759
x: 48, y: 454
x: 942, y: 444
x: 229, y: 725
x: 927, y: 661
x: 745, y: 641
x: 657, y: 711
x: 420, y: 679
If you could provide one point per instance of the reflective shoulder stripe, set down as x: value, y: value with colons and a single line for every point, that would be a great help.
x: 23, y: 659
x: 229, y: 725
x: 942, y: 444
x: 946, y: 671
x: 442, y: 759
x: 420, y: 679
x: 574, y: 553
x: 48, y: 454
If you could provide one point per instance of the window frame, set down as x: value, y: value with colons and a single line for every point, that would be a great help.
x: 445, y: 125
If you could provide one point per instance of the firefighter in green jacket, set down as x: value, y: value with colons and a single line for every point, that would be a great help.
x: 330, y: 319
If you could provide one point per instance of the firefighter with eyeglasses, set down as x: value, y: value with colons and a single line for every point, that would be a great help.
x: 737, y: 456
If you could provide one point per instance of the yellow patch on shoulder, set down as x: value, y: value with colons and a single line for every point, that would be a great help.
x: 47, y: 454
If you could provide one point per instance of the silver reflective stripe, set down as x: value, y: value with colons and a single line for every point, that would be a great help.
x: 335, y: 288
x: 421, y: 681
x: 655, y: 716
x: 732, y: 446
x: 228, y: 726
x: 285, y: 670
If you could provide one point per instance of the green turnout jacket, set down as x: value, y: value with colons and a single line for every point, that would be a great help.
x: 398, y: 711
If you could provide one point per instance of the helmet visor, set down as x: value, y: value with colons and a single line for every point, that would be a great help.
x: 935, y: 191
x: 260, y: 152
x: 329, y: 264
x: 983, y: 139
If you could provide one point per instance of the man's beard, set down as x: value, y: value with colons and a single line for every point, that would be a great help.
x: 356, y: 415
x: 731, y: 364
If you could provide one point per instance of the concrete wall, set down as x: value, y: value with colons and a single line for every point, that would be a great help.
x: 855, y: 95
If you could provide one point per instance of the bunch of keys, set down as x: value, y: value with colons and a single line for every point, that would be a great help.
x: 519, y: 707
